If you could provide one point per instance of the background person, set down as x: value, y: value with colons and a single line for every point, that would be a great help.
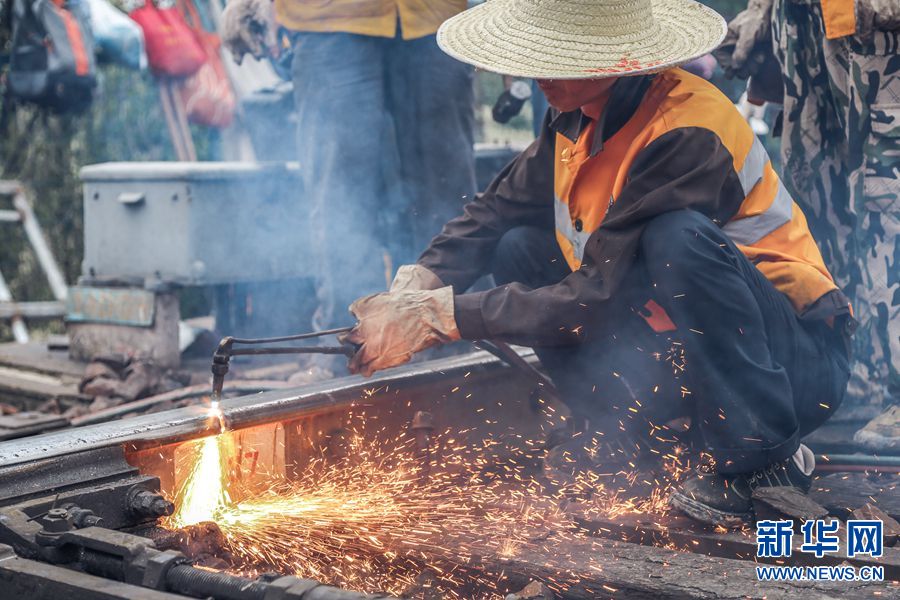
x: 385, y: 126
x: 840, y: 151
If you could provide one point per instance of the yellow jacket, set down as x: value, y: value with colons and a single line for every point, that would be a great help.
x: 379, y: 18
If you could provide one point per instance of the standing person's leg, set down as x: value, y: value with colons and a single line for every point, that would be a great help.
x: 873, y: 123
x: 339, y: 91
x: 824, y: 144
x: 432, y: 104
x: 814, y: 143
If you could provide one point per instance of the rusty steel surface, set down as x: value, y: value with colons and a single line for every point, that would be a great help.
x: 193, y: 422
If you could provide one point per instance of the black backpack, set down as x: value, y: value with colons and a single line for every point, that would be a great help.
x: 51, y: 61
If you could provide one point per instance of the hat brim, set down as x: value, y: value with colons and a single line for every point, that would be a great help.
x: 490, y: 36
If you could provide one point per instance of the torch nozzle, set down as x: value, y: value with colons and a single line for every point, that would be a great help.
x: 220, y: 362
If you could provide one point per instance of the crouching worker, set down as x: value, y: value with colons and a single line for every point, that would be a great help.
x: 644, y: 227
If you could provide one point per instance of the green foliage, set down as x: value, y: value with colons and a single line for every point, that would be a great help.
x: 45, y: 151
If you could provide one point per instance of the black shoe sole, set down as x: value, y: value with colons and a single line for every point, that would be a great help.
x: 707, y: 514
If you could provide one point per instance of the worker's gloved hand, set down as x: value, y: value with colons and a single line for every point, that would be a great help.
x: 392, y: 326
x: 248, y: 27
x: 876, y: 15
x: 748, y: 41
x: 415, y: 277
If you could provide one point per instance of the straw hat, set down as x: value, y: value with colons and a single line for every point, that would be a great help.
x: 581, y: 39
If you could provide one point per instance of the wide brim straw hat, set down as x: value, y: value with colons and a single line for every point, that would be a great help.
x: 581, y: 39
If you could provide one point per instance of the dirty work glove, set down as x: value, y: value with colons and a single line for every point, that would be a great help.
x: 248, y: 27
x: 415, y: 277
x: 392, y: 326
x: 876, y: 15
x: 748, y: 41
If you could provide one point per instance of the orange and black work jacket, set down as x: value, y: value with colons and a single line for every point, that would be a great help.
x: 665, y: 142
x: 379, y: 18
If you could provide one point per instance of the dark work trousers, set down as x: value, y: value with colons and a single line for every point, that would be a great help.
x: 386, y: 155
x: 750, y: 374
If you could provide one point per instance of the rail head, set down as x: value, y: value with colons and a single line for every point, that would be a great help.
x: 182, y: 424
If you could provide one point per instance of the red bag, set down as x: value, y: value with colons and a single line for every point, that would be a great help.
x: 206, y: 95
x: 172, y: 48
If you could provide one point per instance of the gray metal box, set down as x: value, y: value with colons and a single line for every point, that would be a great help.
x: 194, y: 223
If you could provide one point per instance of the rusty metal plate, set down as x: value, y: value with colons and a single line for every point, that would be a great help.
x: 116, y: 306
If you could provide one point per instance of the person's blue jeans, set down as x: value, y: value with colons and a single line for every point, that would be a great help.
x: 386, y: 153
x: 752, y: 376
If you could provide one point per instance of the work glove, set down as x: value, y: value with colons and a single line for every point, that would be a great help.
x: 392, y: 326
x: 876, y: 15
x: 748, y: 42
x: 248, y: 27
x: 415, y: 277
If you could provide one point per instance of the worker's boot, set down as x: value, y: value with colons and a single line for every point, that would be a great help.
x: 726, y: 500
x: 881, y: 434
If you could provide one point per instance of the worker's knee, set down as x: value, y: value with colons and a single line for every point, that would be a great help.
x: 675, y: 245
x: 528, y: 255
x: 512, y: 254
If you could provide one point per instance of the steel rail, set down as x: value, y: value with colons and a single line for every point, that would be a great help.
x: 866, y: 463
x: 182, y: 424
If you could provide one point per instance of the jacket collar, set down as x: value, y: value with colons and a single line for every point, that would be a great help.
x: 627, y: 94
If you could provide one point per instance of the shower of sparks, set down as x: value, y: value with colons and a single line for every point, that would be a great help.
x: 203, y: 495
x: 204, y: 491
x: 371, y: 521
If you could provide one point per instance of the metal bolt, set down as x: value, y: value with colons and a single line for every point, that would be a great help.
x: 422, y: 427
x: 56, y: 521
x: 422, y: 420
x: 158, y: 566
x: 82, y: 517
x: 145, y: 503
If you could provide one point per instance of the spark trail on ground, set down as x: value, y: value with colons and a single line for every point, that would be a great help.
x: 370, y: 522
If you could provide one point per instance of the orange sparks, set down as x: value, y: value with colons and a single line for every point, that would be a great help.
x: 370, y: 520
x: 204, y: 491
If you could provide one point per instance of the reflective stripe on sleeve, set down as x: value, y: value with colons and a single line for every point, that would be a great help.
x: 750, y: 230
x: 752, y: 171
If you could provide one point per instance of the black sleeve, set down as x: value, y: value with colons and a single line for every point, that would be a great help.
x: 522, y: 194
x: 684, y: 168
